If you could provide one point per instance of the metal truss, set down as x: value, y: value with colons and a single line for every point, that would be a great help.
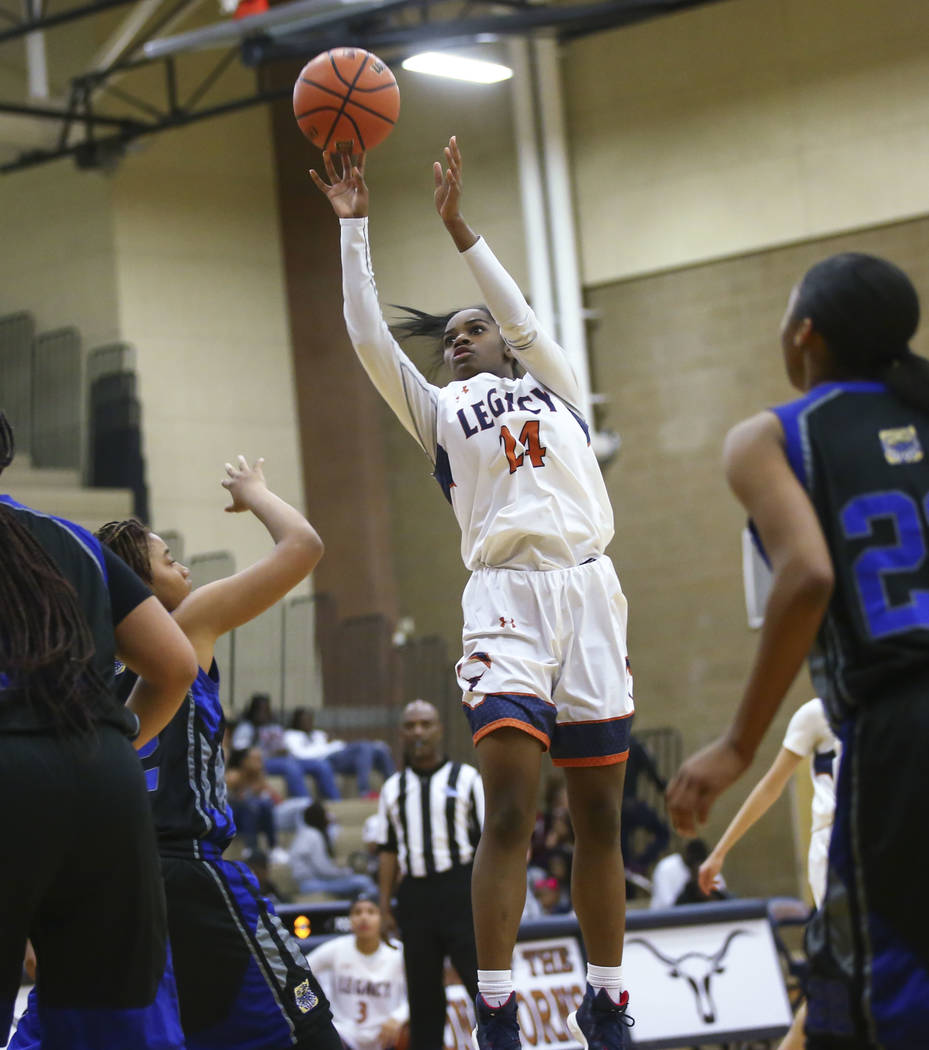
x: 392, y: 28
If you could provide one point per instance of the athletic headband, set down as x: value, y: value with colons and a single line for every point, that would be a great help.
x: 865, y: 308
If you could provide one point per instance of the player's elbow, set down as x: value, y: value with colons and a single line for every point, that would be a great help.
x: 813, y: 581
x: 305, y: 548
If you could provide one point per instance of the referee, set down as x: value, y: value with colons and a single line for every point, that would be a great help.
x: 430, y: 819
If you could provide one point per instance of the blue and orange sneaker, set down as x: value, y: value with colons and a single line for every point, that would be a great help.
x: 497, y: 1026
x: 599, y: 1023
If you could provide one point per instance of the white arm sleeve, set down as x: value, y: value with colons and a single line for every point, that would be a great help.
x: 395, y: 377
x: 535, y: 349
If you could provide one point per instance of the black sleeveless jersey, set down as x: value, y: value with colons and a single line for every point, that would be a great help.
x: 107, y: 591
x: 185, y: 772
x: 861, y: 454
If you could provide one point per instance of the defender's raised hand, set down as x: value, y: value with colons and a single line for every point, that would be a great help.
x: 348, y: 192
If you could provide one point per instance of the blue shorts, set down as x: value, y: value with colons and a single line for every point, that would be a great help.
x: 868, y: 943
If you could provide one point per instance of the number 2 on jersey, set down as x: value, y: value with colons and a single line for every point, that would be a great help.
x: 530, y: 442
x: 875, y: 563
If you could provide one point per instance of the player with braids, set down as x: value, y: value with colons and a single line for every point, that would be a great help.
x: 544, y: 663
x: 837, y: 485
x: 242, y: 981
x: 66, y: 608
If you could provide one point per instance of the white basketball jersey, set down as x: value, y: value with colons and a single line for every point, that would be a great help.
x: 512, y: 455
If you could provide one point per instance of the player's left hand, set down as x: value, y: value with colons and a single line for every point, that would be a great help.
x: 390, y: 1032
x: 448, y: 183
x: 243, y: 483
x: 700, y: 781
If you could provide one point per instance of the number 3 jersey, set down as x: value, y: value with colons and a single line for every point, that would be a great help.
x: 513, y: 456
x: 861, y: 455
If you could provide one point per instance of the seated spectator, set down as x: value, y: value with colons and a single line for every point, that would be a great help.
x: 366, y: 980
x: 553, y: 833
x: 673, y: 874
x: 552, y: 896
x: 695, y: 853
x: 257, y: 728
x: 252, y: 800
x: 356, y: 757
x: 311, y: 859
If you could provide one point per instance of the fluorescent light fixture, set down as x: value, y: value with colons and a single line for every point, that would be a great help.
x: 441, y: 64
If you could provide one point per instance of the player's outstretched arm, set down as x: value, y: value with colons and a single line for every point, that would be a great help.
x: 210, y: 611
x: 763, y: 796
x: 760, y: 476
x: 534, y: 348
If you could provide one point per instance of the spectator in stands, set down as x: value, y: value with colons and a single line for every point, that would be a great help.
x: 638, y: 816
x: 257, y: 728
x: 553, y: 833
x: 366, y: 978
x: 673, y: 875
x: 312, y: 863
x: 355, y: 757
x: 552, y: 896
x: 253, y: 802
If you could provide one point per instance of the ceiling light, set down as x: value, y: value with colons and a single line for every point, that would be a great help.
x: 440, y: 64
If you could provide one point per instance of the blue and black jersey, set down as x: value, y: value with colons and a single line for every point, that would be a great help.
x: 107, y: 591
x: 185, y: 772
x: 863, y: 457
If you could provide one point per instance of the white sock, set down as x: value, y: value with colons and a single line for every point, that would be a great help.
x: 495, y: 986
x: 608, y: 977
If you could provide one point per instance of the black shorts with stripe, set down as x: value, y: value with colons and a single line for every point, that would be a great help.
x: 243, y: 982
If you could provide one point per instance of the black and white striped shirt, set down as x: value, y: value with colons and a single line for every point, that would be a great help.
x: 432, y: 821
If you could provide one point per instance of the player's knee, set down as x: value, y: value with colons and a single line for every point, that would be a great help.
x: 508, y: 822
x: 599, y: 821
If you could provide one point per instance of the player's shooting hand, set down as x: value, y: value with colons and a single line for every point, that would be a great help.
x: 243, y: 483
x: 348, y: 191
x: 708, y: 875
x: 700, y: 781
x: 448, y: 184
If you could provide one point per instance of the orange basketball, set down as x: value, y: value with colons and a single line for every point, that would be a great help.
x: 346, y: 100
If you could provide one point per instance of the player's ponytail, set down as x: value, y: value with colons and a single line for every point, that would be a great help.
x: 417, y: 324
x: 867, y: 310
x: 46, y: 645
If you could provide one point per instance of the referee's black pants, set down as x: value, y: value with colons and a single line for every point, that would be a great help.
x: 435, y: 920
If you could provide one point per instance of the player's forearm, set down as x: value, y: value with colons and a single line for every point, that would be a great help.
x: 758, y: 803
x: 387, y: 867
x: 798, y: 601
x: 461, y: 233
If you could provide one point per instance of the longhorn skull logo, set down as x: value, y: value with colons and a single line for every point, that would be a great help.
x: 697, y: 969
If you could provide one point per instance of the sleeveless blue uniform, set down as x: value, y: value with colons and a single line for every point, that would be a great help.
x: 78, y: 861
x: 863, y: 457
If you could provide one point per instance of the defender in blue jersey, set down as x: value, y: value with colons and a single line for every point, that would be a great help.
x: 242, y: 981
x: 837, y: 485
x: 78, y: 861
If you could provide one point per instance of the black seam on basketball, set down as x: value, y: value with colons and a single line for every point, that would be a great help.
x: 348, y: 93
x: 321, y: 87
x: 370, y: 112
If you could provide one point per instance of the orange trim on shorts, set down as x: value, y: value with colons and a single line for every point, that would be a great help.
x: 597, y: 760
x: 516, y: 724
x: 598, y: 721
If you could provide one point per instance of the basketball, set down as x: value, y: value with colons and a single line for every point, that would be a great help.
x: 346, y: 100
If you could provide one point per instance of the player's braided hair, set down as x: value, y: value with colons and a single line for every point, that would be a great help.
x: 46, y: 645
x: 129, y: 539
x: 867, y: 310
x: 417, y: 324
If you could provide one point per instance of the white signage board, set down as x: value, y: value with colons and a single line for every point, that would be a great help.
x: 697, y: 983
